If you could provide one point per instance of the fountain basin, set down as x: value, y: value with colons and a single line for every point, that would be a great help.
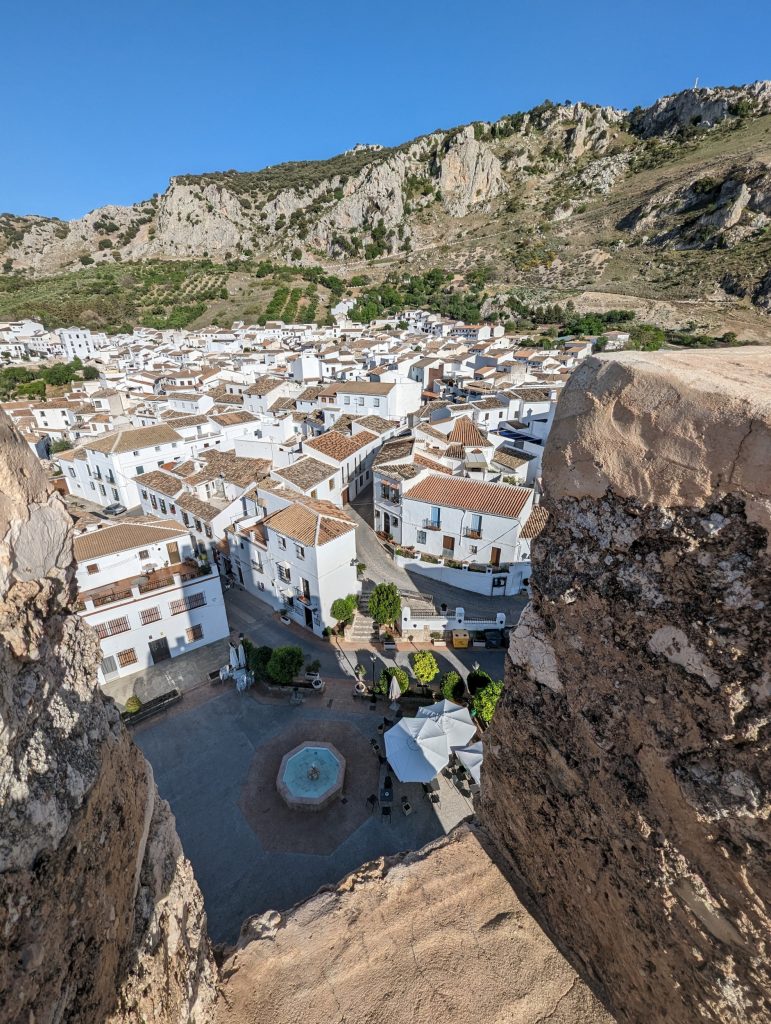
x: 311, y: 776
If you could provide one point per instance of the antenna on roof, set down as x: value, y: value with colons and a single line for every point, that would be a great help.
x: 696, y: 83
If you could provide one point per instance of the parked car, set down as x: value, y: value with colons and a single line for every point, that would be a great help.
x: 493, y: 638
x: 116, y: 509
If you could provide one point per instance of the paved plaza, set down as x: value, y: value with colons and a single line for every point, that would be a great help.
x: 216, y: 759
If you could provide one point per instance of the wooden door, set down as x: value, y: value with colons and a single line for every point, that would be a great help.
x: 448, y: 545
x: 173, y: 550
x: 495, y: 556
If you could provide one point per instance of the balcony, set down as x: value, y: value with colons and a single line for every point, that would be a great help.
x: 472, y: 534
x: 307, y: 599
x: 431, y: 524
x: 394, y: 498
x: 136, y: 586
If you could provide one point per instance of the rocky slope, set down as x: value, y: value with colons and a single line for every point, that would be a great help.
x: 627, y: 768
x: 434, y: 936
x: 100, y: 917
x: 561, y: 199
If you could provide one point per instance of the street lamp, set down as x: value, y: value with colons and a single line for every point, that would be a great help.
x: 373, y: 659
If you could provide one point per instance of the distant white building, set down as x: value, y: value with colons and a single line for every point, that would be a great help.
x: 146, y: 594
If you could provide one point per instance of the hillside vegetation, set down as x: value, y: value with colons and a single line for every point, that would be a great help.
x: 666, y: 211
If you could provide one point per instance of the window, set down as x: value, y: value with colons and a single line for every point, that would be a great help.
x: 143, y: 492
x: 332, y: 484
x: 115, y: 494
x: 194, y: 633
x: 102, y: 491
x: 186, y: 519
x: 172, y: 508
x: 473, y: 549
x: 184, y: 604
x: 376, y: 403
x: 394, y: 520
x: 421, y: 537
x: 112, y: 627
x: 299, y: 550
x: 436, y: 517
x: 360, y: 401
x: 198, y: 526
x: 347, y: 400
x: 149, y: 615
x: 91, y: 569
x: 163, y: 505
x: 153, y: 501
x: 140, y: 470
x: 282, y: 543
x: 128, y: 657
x: 284, y: 574
x: 72, y: 471
x: 92, y: 486
x: 109, y: 665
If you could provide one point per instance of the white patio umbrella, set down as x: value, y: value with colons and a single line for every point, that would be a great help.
x: 233, y: 656
x: 471, y: 758
x: 394, y: 692
x: 454, y: 721
x: 416, y: 749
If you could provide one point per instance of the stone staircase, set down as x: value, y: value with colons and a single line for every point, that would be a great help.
x: 364, y: 630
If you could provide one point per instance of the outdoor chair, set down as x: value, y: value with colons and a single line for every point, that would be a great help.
x: 385, y: 814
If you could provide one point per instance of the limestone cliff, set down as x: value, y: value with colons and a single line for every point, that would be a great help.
x: 434, y: 936
x: 100, y: 917
x: 627, y: 768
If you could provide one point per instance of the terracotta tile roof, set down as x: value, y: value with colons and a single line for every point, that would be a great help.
x: 229, y: 419
x: 310, y: 394
x: 431, y: 432
x: 201, y: 509
x: 376, y: 424
x: 264, y: 386
x: 133, y: 438
x: 192, y: 420
x: 311, y: 523
x: 507, y: 459
x: 396, y: 448
x: 535, y: 522
x: 361, y: 387
x: 158, y: 480
x: 421, y: 460
x: 220, y: 395
x: 306, y: 473
x: 402, y: 470
x: 109, y: 540
x: 490, y: 403
x: 340, y: 446
x: 236, y: 469
x: 471, y: 495
x: 466, y: 432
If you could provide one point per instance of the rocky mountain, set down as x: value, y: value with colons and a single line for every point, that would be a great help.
x: 665, y: 207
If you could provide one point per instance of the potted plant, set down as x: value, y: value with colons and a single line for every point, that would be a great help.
x: 437, y: 639
x: 312, y: 668
x: 387, y: 637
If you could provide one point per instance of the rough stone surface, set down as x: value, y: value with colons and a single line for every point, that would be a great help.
x: 100, y: 917
x: 626, y: 776
x: 434, y: 936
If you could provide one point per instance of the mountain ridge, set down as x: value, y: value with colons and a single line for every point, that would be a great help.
x: 560, y: 200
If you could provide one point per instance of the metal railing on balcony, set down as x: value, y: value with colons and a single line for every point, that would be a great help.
x: 431, y: 524
x: 110, y: 598
x: 472, y: 534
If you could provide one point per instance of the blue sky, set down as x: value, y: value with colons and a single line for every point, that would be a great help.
x: 105, y: 100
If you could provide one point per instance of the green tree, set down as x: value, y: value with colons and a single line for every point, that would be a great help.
x: 284, y: 664
x: 452, y: 686
x: 90, y: 373
x: 384, y: 682
x: 343, y: 608
x: 385, y: 604
x: 424, y: 666
x: 647, y: 337
x: 478, y: 680
x: 60, y: 446
x: 35, y: 389
x: 486, y: 700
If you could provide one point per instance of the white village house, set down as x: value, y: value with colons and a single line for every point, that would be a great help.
x: 147, y: 595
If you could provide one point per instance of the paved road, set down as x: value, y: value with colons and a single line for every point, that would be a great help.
x: 381, y: 568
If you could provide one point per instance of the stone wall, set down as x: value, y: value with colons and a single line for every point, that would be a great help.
x: 100, y: 916
x: 627, y: 770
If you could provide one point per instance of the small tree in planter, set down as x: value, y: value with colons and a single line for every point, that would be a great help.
x: 285, y: 663
x: 424, y: 666
x: 312, y: 668
x: 486, y: 700
x: 360, y: 569
x: 385, y: 604
x: 342, y: 609
x: 257, y: 658
x: 452, y: 686
x: 384, y: 682
x: 477, y: 680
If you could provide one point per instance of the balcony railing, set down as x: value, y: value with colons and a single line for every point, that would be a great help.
x: 431, y: 524
x: 112, y: 596
x: 472, y: 534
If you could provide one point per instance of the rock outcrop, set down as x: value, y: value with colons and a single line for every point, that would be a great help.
x: 438, y: 935
x: 701, y: 108
x: 627, y: 768
x: 100, y: 916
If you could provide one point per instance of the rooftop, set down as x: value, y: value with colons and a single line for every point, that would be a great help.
x: 471, y: 495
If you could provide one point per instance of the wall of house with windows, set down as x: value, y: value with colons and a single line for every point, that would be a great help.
x: 142, y: 621
x: 460, y: 534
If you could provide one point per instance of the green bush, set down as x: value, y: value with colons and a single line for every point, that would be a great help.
x: 486, y: 700
x: 284, y: 664
x: 452, y: 686
x: 257, y: 658
x: 384, y: 682
x: 424, y: 667
x: 478, y: 680
x: 385, y: 604
x: 343, y: 608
